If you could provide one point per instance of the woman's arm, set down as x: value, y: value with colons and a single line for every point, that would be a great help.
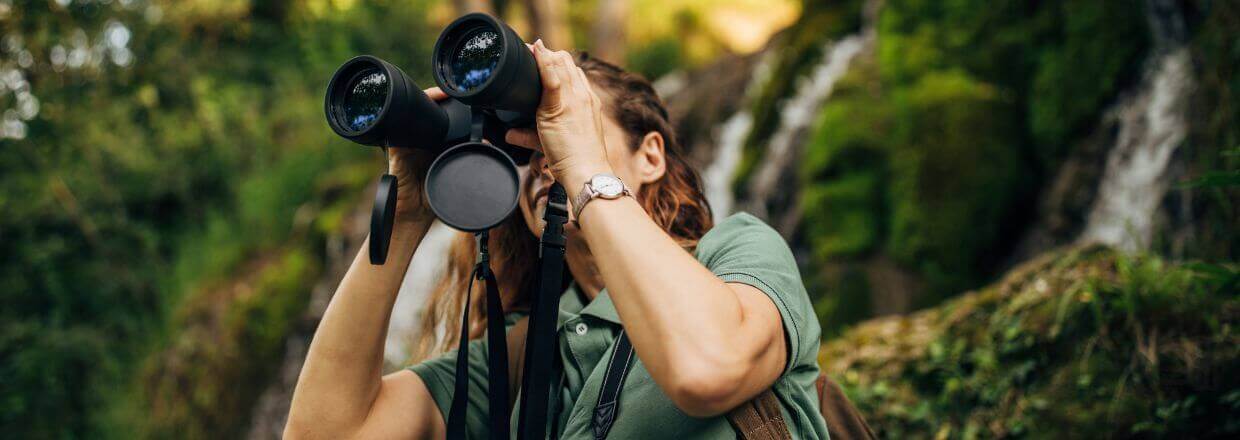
x: 710, y: 345
x: 340, y: 393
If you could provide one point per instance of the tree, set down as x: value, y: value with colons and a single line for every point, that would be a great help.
x: 547, y: 19
x: 607, y: 35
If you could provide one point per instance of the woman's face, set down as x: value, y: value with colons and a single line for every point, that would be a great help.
x: 536, y: 179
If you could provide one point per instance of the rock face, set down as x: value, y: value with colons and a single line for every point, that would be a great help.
x: 913, y: 150
x: 1081, y: 343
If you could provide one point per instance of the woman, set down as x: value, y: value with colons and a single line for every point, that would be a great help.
x: 715, y: 315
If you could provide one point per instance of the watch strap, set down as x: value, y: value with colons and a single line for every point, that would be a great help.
x: 588, y: 193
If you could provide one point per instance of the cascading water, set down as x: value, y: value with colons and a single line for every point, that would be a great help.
x: 424, y: 270
x: 730, y: 137
x: 796, y: 116
x: 1153, y: 122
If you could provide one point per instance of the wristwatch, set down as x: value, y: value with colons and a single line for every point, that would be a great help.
x: 602, y: 185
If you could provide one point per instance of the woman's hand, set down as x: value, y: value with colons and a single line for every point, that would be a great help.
x: 569, y: 121
x: 409, y: 165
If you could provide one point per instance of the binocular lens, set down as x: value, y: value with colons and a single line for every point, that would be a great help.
x: 364, y: 98
x: 475, y: 59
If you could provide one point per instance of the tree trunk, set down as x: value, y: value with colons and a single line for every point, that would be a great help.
x: 466, y: 6
x: 548, y: 21
x: 607, y: 34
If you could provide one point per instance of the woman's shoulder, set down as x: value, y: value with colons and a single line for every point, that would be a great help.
x: 744, y: 240
x: 741, y: 229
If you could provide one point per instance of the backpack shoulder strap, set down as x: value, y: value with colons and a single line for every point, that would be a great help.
x: 516, y: 358
x: 844, y: 421
x: 760, y: 419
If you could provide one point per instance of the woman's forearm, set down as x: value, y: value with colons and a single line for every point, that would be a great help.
x: 342, y: 373
x: 707, y: 344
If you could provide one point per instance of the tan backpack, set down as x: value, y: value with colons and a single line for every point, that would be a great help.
x: 757, y: 419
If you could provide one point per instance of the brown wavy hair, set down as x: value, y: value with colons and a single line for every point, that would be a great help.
x: 675, y: 202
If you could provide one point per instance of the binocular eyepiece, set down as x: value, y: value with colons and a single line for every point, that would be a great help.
x: 493, y: 85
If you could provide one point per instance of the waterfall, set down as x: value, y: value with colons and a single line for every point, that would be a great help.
x: 424, y: 271
x: 1153, y: 122
x: 770, y: 189
x: 730, y: 137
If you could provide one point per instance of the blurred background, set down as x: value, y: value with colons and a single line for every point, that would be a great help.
x: 1016, y: 218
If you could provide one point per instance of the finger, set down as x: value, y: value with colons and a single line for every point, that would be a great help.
x: 566, y: 66
x: 436, y: 94
x: 584, y: 82
x: 524, y: 137
x: 550, y: 80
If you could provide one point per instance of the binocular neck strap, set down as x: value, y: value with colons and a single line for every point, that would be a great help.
x: 541, y: 353
x: 497, y: 355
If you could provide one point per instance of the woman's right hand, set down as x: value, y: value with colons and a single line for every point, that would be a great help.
x: 409, y: 165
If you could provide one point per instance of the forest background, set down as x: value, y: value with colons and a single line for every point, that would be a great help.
x: 1016, y: 218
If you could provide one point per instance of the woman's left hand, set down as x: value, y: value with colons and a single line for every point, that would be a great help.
x: 569, y: 121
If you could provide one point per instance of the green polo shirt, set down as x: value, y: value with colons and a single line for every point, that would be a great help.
x: 740, y: 249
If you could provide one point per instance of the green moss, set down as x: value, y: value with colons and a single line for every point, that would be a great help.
x: 1083, y: 344
x: 932, y: 150
x: 955, y: 176
x: 1082, y: 70
x: 1213, y: 148
x: 842, y: 218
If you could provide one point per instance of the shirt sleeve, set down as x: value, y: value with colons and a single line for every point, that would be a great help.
x: 439, y: 374
x: 743, y: 249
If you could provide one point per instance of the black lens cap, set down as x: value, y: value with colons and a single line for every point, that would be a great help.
x: 473, y: 186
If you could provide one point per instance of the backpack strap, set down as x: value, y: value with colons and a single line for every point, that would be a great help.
x: 760, y: 419
x: 844, y: 421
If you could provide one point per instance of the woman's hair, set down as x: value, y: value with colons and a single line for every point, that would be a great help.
x: 675, y: 202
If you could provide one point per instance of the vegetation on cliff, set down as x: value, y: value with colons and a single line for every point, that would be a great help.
x: 1082, y: 343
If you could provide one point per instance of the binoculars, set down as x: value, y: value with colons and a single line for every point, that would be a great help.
x: 493, y: 84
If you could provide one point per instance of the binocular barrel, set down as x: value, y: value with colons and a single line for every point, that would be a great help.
x: 371, y: 102
x: 481, y: 61
x: 492, y: 82
x: 478, y: 61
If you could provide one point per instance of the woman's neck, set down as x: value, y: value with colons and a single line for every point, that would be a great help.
x: 584, y: 271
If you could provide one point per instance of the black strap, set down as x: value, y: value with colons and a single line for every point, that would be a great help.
x: 609, y: 397
x: 541, y: 353
x: 497, y: 356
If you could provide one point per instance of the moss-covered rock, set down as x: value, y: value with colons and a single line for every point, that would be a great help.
x: 932, y: 150
x: 1082, y: 343
x: 1213, y: 148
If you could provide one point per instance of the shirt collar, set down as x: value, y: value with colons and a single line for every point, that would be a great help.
x: 571, y: 305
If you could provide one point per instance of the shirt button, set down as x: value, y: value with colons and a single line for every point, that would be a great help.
x: 581, y: 328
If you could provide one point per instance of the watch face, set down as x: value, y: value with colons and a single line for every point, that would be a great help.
x: 607, y: 186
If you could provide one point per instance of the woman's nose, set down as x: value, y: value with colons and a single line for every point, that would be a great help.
x: 539, y: 162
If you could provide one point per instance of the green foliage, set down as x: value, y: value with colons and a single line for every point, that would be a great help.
x: 1213, y: 152
x: 931, y: 150
x: 657, y: 58
x: 1084, y: 343
x: 227, y: 353
x: 955, y: 176
x: 139, y: 185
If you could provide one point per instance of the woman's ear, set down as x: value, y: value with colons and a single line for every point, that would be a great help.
x: 650, y: 158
